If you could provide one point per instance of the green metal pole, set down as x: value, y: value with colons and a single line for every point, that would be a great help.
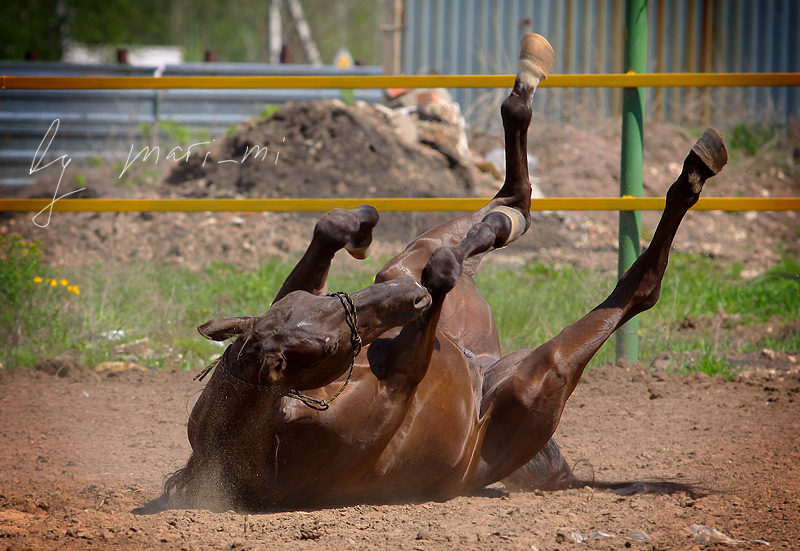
x: 630, y: 222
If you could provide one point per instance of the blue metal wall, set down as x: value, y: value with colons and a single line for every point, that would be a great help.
x: 482, y: 37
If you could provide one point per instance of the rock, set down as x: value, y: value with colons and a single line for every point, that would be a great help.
x: 118, y: 366
x: 60, y: 367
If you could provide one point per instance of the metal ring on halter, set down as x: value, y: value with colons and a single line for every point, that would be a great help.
x: 518, y: 223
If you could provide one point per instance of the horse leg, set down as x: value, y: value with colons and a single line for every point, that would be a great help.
x: 536, y: 59
x: 337, y: 229
x: 525, y: 392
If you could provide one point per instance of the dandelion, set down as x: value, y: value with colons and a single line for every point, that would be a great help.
x: 37, y: 279
x: 53, y: 282
x: 64, y: 282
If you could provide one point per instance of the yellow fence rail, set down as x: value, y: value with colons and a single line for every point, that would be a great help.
x: 384, y: 204
x: 630, y: 80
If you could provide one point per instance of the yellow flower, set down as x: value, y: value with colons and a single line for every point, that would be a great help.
x: 205, y: 310
x: 37, y: 279
x: 76, y: 289
x: 64, y: 282
x: 53, y: 282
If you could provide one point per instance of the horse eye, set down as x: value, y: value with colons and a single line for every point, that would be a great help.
x: 331, y: 348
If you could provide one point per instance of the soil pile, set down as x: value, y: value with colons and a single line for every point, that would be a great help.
x: 329, y: 149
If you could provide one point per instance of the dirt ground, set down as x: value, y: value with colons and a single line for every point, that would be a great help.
x: 79, y: 452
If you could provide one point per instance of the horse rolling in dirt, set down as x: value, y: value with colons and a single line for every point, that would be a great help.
x: 399, y: 392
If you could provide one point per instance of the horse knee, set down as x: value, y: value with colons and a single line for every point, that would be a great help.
x: 349, y: 229
x: 442, y: 271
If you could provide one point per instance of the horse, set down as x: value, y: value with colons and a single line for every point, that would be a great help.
x: 399, y: 392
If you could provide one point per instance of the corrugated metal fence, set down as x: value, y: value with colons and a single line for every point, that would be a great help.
x: 105, y: 123
x: 482, y: 36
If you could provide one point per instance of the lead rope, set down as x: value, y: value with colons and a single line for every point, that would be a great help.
x: 351, y: 317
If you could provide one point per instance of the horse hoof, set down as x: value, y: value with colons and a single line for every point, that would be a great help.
x: 358, y: 246
x: 711, y: 150
x: 536, y: 59
x: 358, y: 252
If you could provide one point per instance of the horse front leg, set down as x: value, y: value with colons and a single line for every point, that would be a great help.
x: 338, y: 229
x: 406, y: 362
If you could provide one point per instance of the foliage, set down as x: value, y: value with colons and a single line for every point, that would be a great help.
x: 532, y: 305
x: 38, y: 306
x: 236, y: 32
x: 704, y: 356
x: 269, y: 110
x: 175, y: 132
x: 697, y: 289
x: 750, y: 139
x: 348, y: 96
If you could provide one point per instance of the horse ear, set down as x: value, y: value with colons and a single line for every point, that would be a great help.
x: 223, y: 329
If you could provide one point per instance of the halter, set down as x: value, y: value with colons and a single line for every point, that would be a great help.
x: 351, y: 317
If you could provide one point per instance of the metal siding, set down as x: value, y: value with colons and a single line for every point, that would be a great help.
x: 106, y: 123
x: 746, y: 36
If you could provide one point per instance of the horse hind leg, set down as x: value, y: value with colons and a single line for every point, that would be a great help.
x: 548, y: 470
x: 338, y: 229
x: 525, y: 392
x: 536, y: 60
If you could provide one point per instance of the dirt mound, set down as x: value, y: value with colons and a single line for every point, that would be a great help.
x: 328, y: 149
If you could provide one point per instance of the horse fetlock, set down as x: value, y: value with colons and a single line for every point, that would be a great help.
x: 348, y: 229
x: 516, y: 113
x: 706, y: 159
x: 358, y: 246
x: 511, y: 224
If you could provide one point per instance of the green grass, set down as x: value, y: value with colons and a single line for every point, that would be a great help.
x: 534, y: 304
x: 531, y: 305
x: 750, y: 138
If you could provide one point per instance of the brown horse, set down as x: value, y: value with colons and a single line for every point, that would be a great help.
x: 399, y: 391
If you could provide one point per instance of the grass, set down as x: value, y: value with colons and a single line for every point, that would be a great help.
x: 531, y: 305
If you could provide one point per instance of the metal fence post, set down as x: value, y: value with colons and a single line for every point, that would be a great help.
x: 630, y: 222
